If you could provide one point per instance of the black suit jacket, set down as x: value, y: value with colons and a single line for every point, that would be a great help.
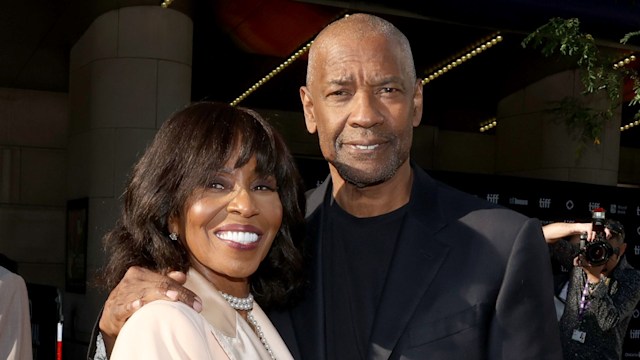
x: 469, y: 280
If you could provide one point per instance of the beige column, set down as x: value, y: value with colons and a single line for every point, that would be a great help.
x: 531, y: 142
x: 128, y: 72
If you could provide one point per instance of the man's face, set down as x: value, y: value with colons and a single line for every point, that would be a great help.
x: 364, y: 103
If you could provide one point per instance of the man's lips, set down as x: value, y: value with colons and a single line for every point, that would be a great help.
x: 364, y: 147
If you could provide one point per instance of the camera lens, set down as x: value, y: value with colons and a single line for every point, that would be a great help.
x: 598, y: 252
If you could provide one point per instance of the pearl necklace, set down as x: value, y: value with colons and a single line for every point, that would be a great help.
x: 239, y: 303
x: 246, y: 304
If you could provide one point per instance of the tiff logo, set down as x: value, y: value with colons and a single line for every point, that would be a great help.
x: 516, y: 201
x: 634, y: 334
x: 493, y: 198
x: 544, y: 203
x: 593, y: 205
x: 636, y: 250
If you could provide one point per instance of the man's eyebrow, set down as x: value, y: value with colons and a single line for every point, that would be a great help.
x: 343, y: 80
x: 388, y: 80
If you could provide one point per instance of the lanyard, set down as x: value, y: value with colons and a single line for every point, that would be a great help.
x: 584, y: 300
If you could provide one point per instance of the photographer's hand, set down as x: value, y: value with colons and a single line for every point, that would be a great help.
x: 594, y: 273
x: 554, y: 232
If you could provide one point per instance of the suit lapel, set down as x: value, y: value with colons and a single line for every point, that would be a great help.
x: 421, y: 256
x: 309, y: 315
x: 417, y: 259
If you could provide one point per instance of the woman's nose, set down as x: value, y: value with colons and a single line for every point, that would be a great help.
x: 242, y: 203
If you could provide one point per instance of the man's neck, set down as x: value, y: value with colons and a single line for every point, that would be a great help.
x: 374, y: 200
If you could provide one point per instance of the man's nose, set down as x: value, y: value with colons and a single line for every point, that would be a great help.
x: 365, y: 111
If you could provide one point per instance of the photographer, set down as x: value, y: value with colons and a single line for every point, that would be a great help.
x: 603, y: 289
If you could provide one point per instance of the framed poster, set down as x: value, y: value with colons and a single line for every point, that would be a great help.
x: 76, y: 245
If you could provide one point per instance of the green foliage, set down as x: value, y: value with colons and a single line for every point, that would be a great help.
x: 585, y: 123
x: 628, y: 36
x: 564, y: 38
x: 634, y: 76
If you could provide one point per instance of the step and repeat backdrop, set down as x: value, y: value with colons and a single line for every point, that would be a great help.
x: 549, y: 201
x: 560, y: 201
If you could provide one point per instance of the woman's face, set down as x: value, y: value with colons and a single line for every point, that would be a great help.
x: 229, y: 226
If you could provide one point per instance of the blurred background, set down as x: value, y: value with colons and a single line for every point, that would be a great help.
x: 84, y: 84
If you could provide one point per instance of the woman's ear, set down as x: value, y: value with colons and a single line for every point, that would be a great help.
x: 173, y: 224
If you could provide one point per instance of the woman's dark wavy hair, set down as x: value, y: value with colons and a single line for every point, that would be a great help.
x: 187, y: 150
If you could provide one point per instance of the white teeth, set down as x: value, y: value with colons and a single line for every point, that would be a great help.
x: 238, y: 236
x: 366, y: 147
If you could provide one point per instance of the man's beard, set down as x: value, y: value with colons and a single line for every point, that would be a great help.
x: 363, y: 178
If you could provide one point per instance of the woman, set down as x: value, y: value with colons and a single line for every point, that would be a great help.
x: 216, y: 195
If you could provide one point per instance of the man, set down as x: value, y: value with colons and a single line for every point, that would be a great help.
x: 15, y: 318
x: 572, y: 233
x: 401, y: 265
x: 600, y: 297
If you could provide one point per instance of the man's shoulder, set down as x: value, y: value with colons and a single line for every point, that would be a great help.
x: 454, y: 199
x: 628, y: 277
x: 10, y: 279
x: 458, y: 208
x: 447, y: 194
x: 629, y: 271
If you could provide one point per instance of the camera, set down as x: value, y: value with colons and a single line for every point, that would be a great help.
x: 598, y: 251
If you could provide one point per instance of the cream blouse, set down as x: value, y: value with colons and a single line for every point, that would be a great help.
x: 172, y: 330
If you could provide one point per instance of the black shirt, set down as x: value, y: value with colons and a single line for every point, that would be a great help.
x: 357, y: 255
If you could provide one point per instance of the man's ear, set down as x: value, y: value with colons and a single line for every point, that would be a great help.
x: 622, y: 248
x: 307, y: 107
x: 418, y: 103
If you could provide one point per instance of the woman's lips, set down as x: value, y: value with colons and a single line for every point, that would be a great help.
x: 240, y: 237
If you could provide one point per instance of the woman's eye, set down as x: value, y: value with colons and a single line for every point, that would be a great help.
x: 265, y: 188
x: 217, y: 186
x: 266, y: 185
x: 219, y: 183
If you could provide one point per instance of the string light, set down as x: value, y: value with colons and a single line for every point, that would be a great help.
x: 493, y: 123
x: 630, y: 125
x: 465, y: 56
x: 165, y: 3
x: 435, y: 72
x: 487, y: 125
x: 273, y: 73
x: 624, y: 61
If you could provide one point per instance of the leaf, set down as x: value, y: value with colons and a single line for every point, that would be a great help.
x: 628, y: 36
x: 596, y: 73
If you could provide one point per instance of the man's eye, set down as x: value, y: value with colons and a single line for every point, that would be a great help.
x: 388, y: 90
x: 338, y: 93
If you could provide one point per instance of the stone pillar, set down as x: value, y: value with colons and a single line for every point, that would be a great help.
x: 531, y: 142
x: 128, y: 72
